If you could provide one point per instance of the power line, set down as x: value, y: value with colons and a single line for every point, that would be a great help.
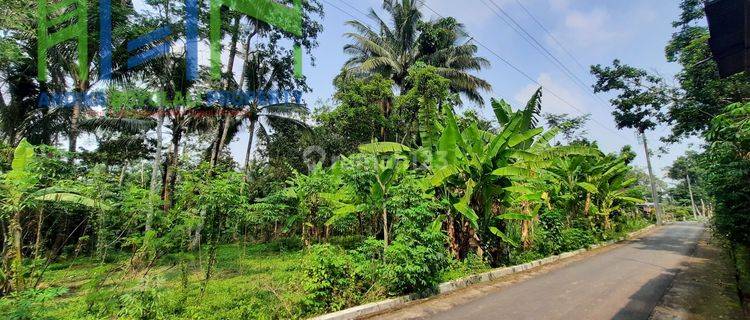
x: 504, y: 60
x: 518, y: 28
x: 552, y: 36
x: 559, y: 43
x: 348, y: 13
x: 355, y: 8
x: 528, y: 77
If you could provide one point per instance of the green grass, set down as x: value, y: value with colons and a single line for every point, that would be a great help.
x: 258, y: 283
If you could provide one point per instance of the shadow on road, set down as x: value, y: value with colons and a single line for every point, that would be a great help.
x: 646, y: 298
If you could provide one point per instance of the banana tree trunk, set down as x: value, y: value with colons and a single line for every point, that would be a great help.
x: 587, y: 206
x: 385, y: 227
x: 17, y: 263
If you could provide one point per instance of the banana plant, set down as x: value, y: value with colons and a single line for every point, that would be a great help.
x: 389, y: 166
x: 466, y: 168
x: 612, y: 186
x: 20, y: 195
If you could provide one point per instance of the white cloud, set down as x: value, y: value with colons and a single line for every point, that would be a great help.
x: 552, y: 103
x: 559, y: 4
x: 590, y: 28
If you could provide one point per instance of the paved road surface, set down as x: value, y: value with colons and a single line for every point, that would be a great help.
x: 624, y: 282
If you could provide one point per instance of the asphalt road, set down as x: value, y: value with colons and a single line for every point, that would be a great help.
x: 623, y: 282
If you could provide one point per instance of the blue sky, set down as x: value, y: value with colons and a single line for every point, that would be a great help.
x: 594, y: 31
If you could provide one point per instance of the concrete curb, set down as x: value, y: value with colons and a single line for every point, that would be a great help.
x: 446, y: 287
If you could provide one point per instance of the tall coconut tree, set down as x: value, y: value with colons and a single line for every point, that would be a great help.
x: 394, y: 47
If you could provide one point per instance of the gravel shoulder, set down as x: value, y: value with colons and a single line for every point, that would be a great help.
x: 705, y: 289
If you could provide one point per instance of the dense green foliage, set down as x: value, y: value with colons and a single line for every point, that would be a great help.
x: 385, y: 192
x: 713, y: 182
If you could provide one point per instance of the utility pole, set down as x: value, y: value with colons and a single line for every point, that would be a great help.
x: 692, y: 200
x: 652, y: 180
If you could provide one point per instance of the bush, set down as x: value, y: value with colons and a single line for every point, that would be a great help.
x: 23, y: 305
x: 286, y: 244
x: 679, y: 213
x: 411, y: 267
x: 330, y: 280
x: 472, y: 264
x: 575, y: 238
x: 550, y: 240
x: 347, y: 242
x: 416, y: 258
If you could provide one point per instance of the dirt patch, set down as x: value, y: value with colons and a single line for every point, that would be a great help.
x: 705, y: 289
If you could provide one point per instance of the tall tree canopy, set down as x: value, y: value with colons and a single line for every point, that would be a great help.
x: 394, y: 47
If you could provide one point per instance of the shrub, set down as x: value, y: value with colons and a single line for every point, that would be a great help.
x: 411, y: 267
x: 23, y: 305
x: 472, y: 264
x: 286, y: 244
x: 417, y: 256
x: 330, y: 280
x: 575, y: 238
x: 347, y: 242
x: 679, y: 213
x: 550, y: 239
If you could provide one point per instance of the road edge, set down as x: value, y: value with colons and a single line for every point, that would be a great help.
x: 374, y: 308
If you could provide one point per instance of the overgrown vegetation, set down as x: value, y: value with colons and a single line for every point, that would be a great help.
x: 386, y: 192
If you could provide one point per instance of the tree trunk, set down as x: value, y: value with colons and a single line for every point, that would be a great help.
x: 385, y: 227
x: 196, y: 241
x: 215, y: 145
x: 155, y: 170
x: 248, y: 151
x: 221, y: 131
x: 692, y: 200
x: 169, y: 180
x: 73, y: 135
x: 143, y: 174
x: 525, y: 227
x: 16, y: 234
x: 587, y: 205
x: 124, y: 168
x: 38, y: 242
x: 225, y: 132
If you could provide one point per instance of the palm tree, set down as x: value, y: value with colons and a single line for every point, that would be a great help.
x: 395, y: 47
x: 263, y: 73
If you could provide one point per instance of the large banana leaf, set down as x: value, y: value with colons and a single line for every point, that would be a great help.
x: 72, y: 198
x: 524, y: 136
x: 588, y: 187
x: 442, y: 174
x: 631, y: 199
x: 463, y: 206
x: 512, y: 172
x: 532, y: 110
x: 502, y: 236
x: 503, y: 111
x: 383, y: 147
x: 468, y: 213
x: 22, y: 156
